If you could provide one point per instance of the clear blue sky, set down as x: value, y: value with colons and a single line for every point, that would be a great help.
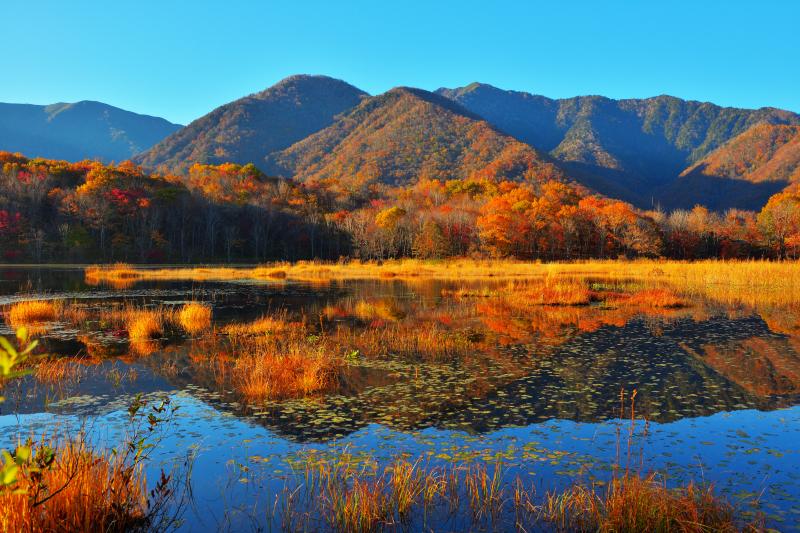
x: 180, y: 59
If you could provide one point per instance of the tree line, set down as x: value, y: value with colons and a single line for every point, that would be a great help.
x: 92, y: 212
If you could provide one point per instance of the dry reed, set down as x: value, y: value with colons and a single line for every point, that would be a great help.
x: 262, y: 326
x: 58, y: 371
x: 358, y: 496
x: 269, y: 371
x: 75, y: 489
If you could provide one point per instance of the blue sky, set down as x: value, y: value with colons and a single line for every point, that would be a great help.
x: 180, y: 59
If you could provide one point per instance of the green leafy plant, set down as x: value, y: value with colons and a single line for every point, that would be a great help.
x: 10, y: 360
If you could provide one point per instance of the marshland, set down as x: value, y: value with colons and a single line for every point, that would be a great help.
x: 405, y: 395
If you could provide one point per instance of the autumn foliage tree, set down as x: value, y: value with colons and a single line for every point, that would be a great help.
x: 779, y: 222
x: 88, y: 211
x: 555, y: 222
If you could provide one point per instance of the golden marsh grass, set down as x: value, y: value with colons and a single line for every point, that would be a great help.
x: 58, y: 371
x: 641, y: 503
x: 265, y: 325
x: 143, y: 324
x: 195, y: 317
x: 266, y: 370
x: 32, y: 311
x: 750, y: 282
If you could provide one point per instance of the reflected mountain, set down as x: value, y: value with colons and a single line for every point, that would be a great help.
x: 428, y: 361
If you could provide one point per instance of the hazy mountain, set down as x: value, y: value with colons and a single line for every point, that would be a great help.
x: 83, y: 130
x: 744, y: 172
x: 246, y: 130
x: 408, y: 134
x: 630, y: 148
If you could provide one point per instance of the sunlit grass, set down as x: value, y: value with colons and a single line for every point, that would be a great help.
x: 119, y: 275
x: 57, y: 370
x: 655, y: 298
x: 274, y: 370
x: 195, y: 317
x: 140, y: 323
x: 31, y: 312
x: 550, y: 291
x: 358, y: 495
x: 143, y: 324
x: 424, y: 340
x: 386, y: 309
x: 752, y: 282
x: 262, y: 326
x: 273, y: 358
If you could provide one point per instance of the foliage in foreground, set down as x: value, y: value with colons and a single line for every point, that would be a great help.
x: 67, y: 486
x: 72, y: 488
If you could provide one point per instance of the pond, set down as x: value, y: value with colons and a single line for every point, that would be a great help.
x: 543, y: 390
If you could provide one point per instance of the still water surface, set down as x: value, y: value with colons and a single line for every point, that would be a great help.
x: 538, y: 390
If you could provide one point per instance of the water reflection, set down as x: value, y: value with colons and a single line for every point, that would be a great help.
x: 425, y: 360
x: 432, y: 373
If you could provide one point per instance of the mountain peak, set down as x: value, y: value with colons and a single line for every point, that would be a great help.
x: 306, y: 82
x: 408, y: 134
x: 248, y: 129
x: 432, y: 98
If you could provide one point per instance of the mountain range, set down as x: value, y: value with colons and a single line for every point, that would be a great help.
x: 634, y: 149
x: 660, y: 151
x: 83, y: 130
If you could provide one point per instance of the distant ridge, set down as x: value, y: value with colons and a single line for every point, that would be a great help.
x: 83, y: 130
x: 630, y: 148
x: 653, y: 152
x: 745, y: 171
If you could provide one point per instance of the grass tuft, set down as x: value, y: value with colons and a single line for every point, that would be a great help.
x: 195, y: 317
x: 636, y: 503
x: 143, y: 324
x: 268, y: 371
x: 32, y: 311
x: 266, y: 325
